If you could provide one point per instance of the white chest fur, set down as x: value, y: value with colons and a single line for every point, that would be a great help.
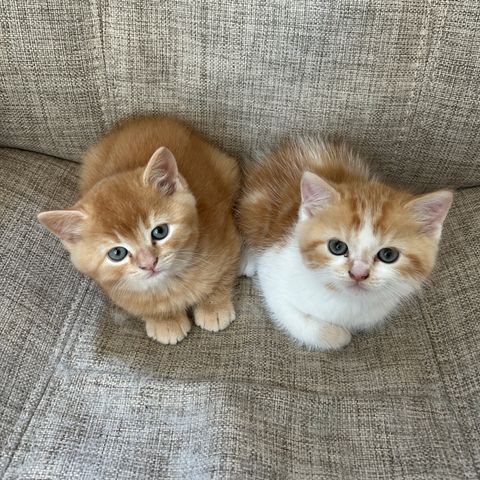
x: 300, y: 300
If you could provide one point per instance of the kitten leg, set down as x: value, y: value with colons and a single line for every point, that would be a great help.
x: 215, y: 313
x: 168, y: 331
x: 308, y: 330
x: 248, y: 263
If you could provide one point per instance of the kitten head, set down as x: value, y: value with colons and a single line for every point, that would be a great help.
x: 367, y: 238
x: 133, y: 230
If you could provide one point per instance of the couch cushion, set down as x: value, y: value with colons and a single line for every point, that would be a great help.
x: 399, y: 79
x: 39, y: 291
x: 83, y: 396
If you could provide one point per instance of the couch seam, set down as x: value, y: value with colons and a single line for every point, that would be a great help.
x: 6, y: 147
x: 427, y: 72
x: 105, y: 95
x: 40, y: 390
x: 259, y: 384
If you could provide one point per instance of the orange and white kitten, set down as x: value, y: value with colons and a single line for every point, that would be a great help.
x: 335, y: 249
x: 154, y: 226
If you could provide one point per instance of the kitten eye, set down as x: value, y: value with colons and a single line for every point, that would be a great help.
x: 388, y: 255
x: 160, y: 232
x: 117, y: 254
x: 337, y: 247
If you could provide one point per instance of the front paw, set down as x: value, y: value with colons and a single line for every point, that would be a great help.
x: 214, y: 317
x: 168, y: 331
x: 333, y: 337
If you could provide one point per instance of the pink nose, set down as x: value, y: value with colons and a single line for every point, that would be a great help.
x: 147, y: 261
x: 359, y: 271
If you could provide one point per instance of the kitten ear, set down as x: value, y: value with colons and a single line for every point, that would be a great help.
x: 431, y: 209
x: 162, y: 172
x: 65, y: 224
x: 316, y: 194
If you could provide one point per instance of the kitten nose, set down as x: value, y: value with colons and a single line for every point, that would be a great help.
x: 147, y: 261
x: 359, y: 271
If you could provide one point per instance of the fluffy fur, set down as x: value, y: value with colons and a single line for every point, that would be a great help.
x: 308, y: 192
x: 129, y: 186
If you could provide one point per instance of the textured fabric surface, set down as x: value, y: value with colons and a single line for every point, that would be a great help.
x: 39, y: 291
x: 399, y: 79
x: 85, y: 397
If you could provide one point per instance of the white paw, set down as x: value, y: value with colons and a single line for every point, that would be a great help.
x: 214, y: 319
x: 316, y: 334
x: 168, y: 332
x: 332, y: 337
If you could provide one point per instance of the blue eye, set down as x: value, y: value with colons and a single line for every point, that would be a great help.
x: 160, y: 232
x: 388, y: 255
x: 337, y: 247
x: 117, y: 254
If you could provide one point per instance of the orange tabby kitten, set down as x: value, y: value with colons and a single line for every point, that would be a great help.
x: 335, y: 249
x: 154, y: 226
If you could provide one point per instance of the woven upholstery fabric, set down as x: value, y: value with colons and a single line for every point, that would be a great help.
x: 398, y: 79
x: 86, y: 397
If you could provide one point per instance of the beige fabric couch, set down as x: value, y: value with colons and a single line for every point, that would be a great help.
x: 84, y: 397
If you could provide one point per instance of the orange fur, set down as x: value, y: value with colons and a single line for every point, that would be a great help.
x: 119, y: 207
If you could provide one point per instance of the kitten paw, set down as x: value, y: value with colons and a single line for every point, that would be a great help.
x: 168, y: 331
x: 333, y: 337
x: 214, y: 317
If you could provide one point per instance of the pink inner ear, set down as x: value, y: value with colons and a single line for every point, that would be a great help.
x: 65, y: 224
x: 431, y: 209
x: 316, y: 193
x: 161, y: 171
